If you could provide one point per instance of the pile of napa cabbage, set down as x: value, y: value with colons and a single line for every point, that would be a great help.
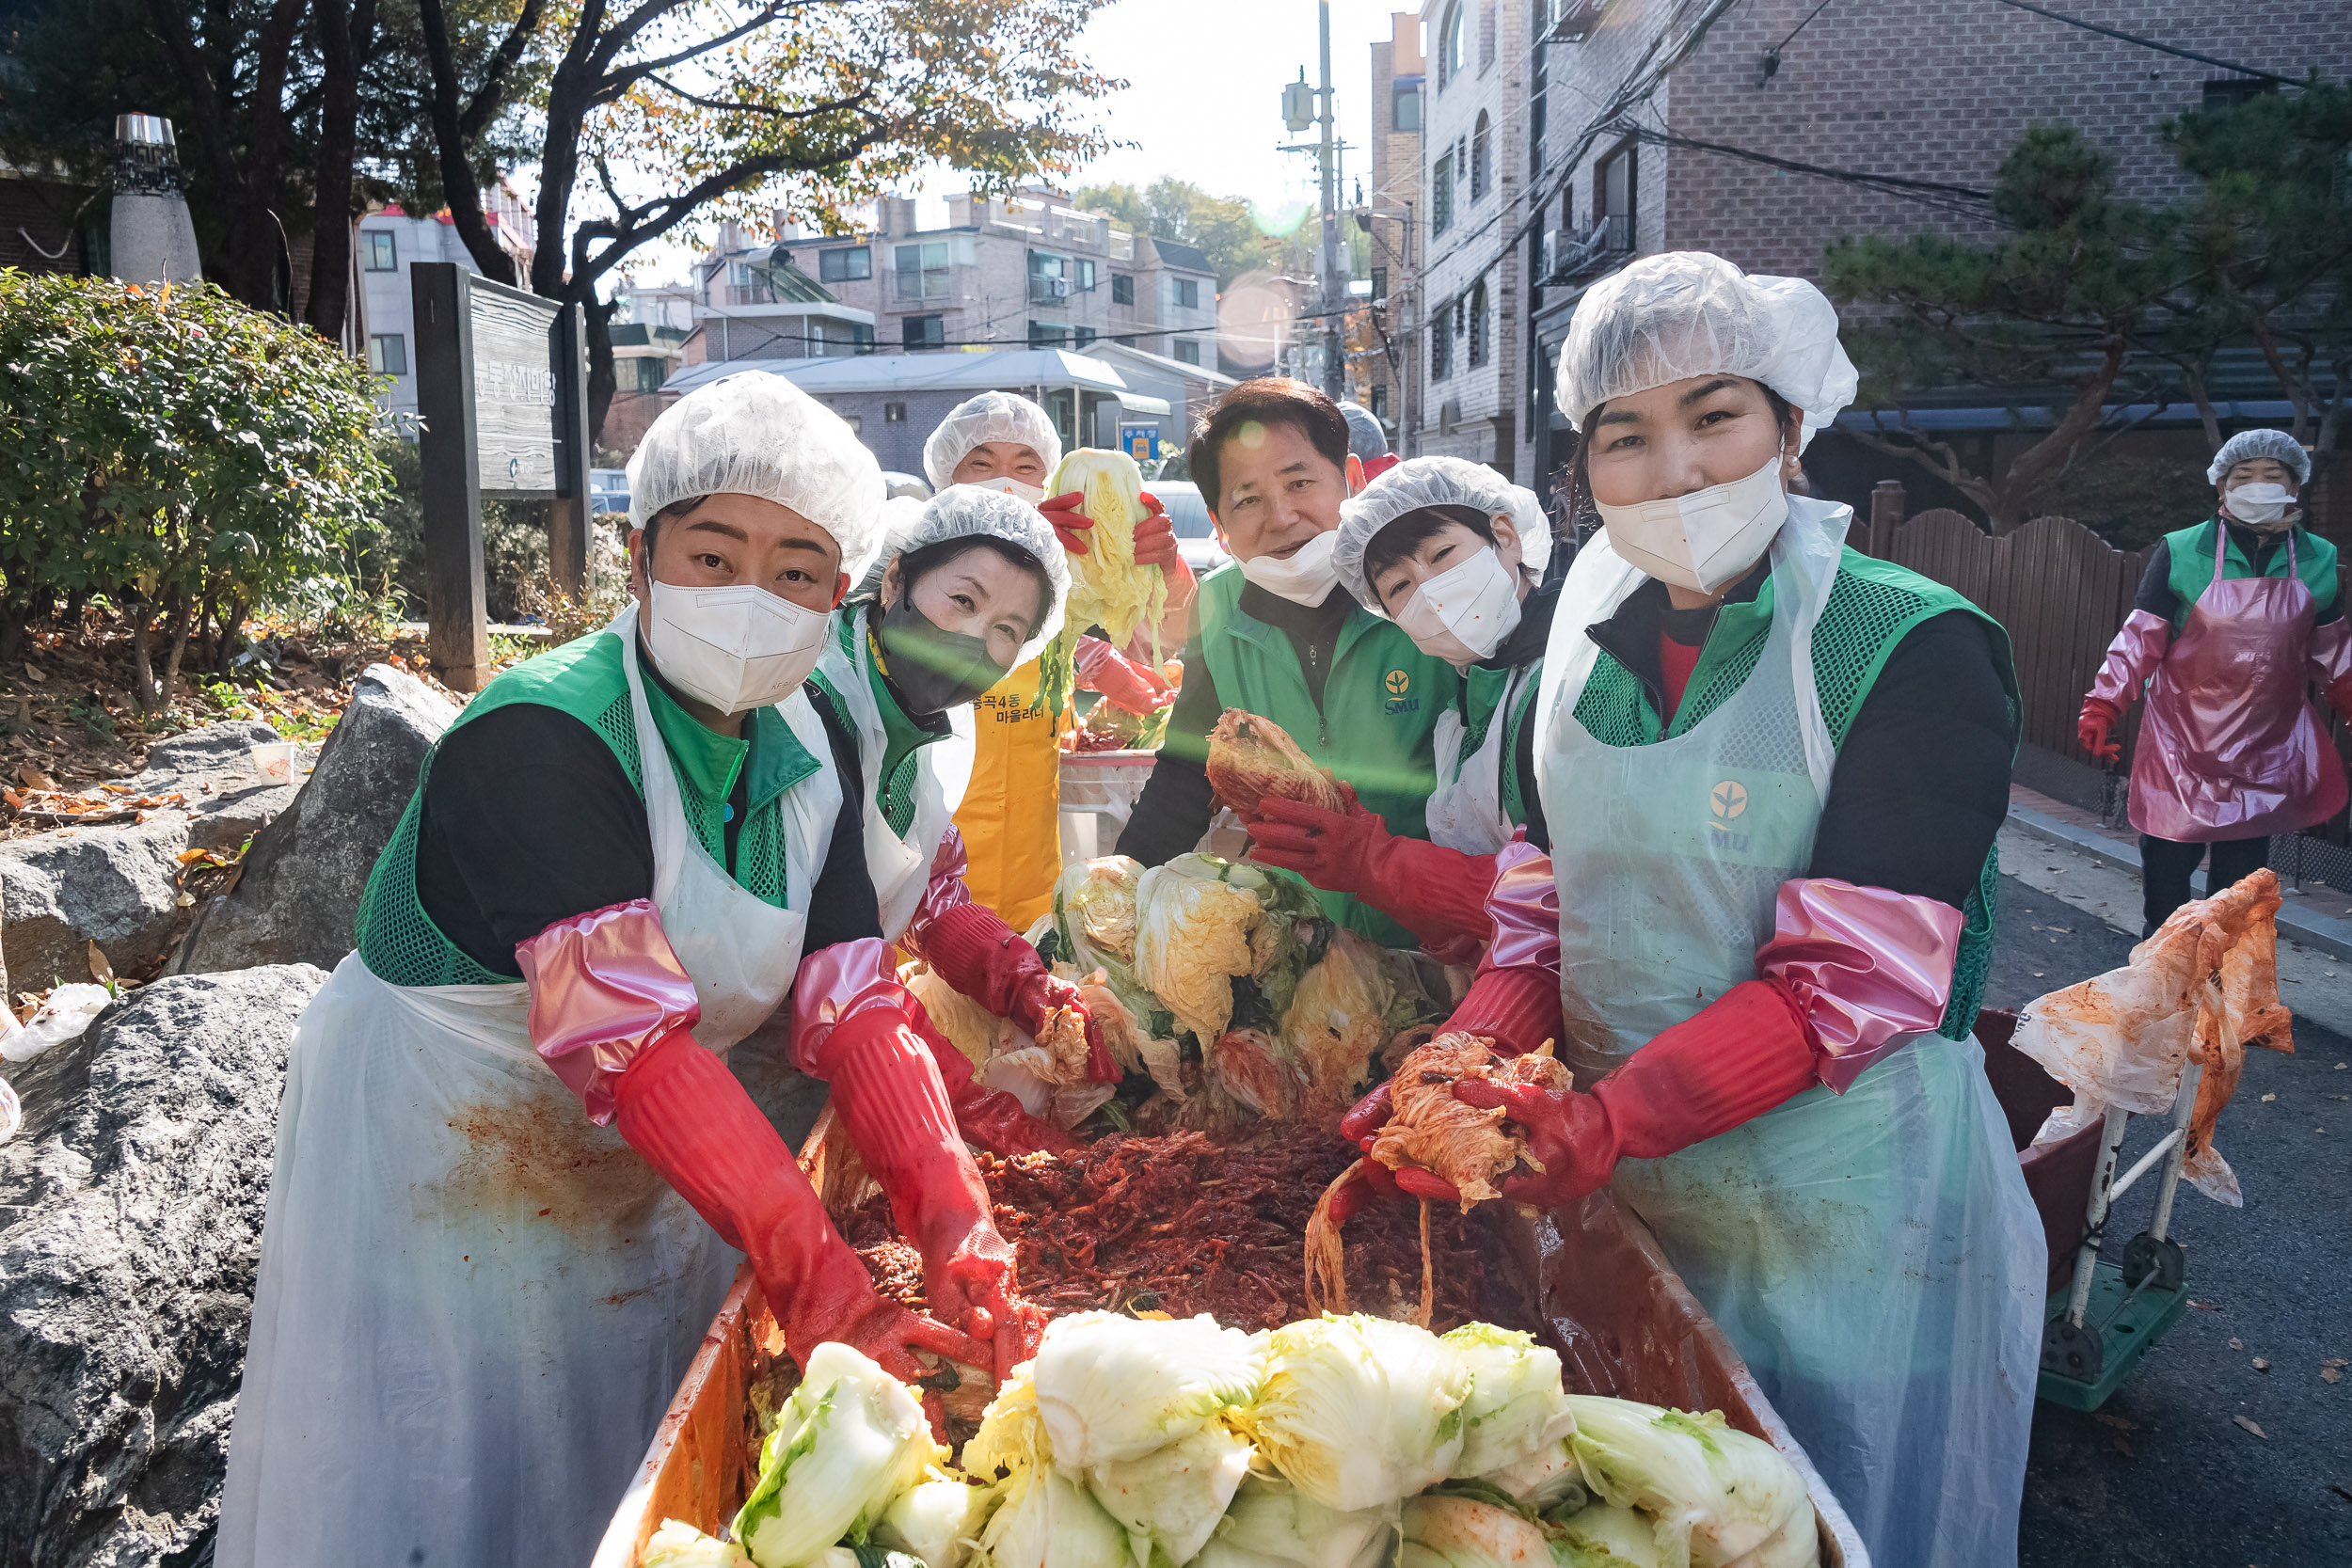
x: 1334, y: 1442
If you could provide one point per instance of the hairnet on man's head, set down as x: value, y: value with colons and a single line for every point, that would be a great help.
x: 969, y: 512
x: 1688, y: 313
x: 1420, y: 482
x: 754, y: 434
x: 990, y: 416
x: 1366, y: 441
x: 2248, y: 444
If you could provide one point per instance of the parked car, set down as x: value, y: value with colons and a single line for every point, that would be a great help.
x: 895, y: 485
x: 1196, y: 534
x: 607, y: 491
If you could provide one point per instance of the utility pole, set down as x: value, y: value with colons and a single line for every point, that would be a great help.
x: 1334, y: 283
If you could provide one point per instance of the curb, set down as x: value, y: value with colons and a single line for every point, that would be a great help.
x: 2322, y: 933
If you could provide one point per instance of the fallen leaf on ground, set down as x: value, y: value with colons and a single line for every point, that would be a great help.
x: 2261, y: 1364
x: 2329, y: 1374
x: 2252, y: 1427
x: 2203, y: 1306
x: 2268, y: 1098
x: 33, y: 778
x: 2120, y: 1423
x: 100, y: 970
x: 32, y: 674
x: 2120, y: 1444
x: 2238, y: 1344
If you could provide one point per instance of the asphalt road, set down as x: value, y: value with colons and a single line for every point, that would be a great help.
x: 2163, y: 1474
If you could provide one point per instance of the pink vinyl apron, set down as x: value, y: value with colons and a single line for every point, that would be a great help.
x: 2229, y: 747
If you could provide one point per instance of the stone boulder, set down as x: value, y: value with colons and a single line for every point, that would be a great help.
x: 117, y: 885
x: 131, y: 1212
x: 299, y: 891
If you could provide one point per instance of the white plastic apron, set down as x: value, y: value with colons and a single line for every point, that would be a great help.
x: 900, y: 868
x: 474, y: 1304
x: 1466, y: 813
x: 1874, y: 1257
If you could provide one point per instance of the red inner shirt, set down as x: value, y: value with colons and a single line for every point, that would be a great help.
x: 1675, y: 660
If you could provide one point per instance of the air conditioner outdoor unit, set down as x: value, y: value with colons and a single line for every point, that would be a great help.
x: 1058, y: 287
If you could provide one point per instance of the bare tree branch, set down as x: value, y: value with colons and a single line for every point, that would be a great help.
x: 775, y: 110
x: 489, y: 98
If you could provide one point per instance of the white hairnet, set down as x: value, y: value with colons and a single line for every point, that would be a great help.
x: 2246, y: 445
x: 1365, y: 438
x: 1420, y: 482
x: 968, y: 511
x: 1685, y: 314
x: 754, y: 434
x: 990, y: 416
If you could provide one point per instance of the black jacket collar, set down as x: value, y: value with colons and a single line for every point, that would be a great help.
x: 1631, y: 636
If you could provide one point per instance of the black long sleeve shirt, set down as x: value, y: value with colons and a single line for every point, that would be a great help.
x: 2155, y: 583
x: 528, y: 820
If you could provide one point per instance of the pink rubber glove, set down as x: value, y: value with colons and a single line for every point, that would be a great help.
x: 679, y: 1107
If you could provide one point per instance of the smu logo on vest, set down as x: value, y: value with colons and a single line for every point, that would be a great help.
x: 1726, y: 804
x: 1398, y: 685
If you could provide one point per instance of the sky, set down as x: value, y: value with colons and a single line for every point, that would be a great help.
x: 1203, y: 101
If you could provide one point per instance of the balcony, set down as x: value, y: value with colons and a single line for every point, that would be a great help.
x: 1050, y: 291
x: 1569, y: 255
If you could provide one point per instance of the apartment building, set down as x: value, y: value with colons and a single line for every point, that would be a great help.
x: 389, y: 241
x: 751, y: 300
x: 1021, y: 271
x: 1472, y: 321
x: 1386, y: 379
x: 1763, y: 130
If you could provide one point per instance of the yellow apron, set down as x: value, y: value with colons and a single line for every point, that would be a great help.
x: 1011, y: 817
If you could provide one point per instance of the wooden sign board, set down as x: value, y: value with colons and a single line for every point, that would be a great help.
x: 503, y: 391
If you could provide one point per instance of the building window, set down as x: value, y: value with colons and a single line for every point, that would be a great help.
x: 925, y: 331
x: 1480, y: 139
x: 1538, y: 94
x: 1404, y: 107
x: 1048, y: 335
x: 1478, y: 332
x: 1081, y: 337
x: 1086, y: 275
x: 861, y: 337
x: 845, y: 266
x: 1379, y: 284
x: 647, y: 375
x: 1486, y: 33
x: 387, y: 354
x: 2223, y: 91
x: 1187, y: 293
x: 1122, y: 288
x: 1450, y: 45
x: 1616, y: 189
x: 894, y: 413
x: 1441, y: 343
x: 855, y: 422
x: 1188, y: 350
x: 922, y: 270
x: 1441, y: 195
x: 380, y: 253
x: 1380, y: 401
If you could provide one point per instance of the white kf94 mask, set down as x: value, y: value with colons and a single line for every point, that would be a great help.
x: 1463, y: 614
x: 1705, y: 539
x: 1305, y: 578
x: 1012, y: 486
x: 2264, y: 506
x: 736, y: 648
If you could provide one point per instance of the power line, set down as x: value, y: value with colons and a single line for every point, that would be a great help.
x: 2151, y: 44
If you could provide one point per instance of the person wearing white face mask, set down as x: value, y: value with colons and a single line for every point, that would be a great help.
x: 2232, y: 618
x: 1455, y: 554
x: 514, y: 1175
x: 1274, y: 634
x: 1772, y: 772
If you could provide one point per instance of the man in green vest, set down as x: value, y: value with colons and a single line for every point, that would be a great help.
x: 1274, y: 634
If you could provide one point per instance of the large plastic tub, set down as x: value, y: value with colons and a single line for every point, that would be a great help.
x: 1591, y: 1276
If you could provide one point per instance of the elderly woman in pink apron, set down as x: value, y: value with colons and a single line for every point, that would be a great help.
x: 2235, y: 616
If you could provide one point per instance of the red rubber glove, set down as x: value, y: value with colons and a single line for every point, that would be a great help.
x: 1438, y: 895
x: 1123, y: 683
x: 1156, y: 546
x: 1746, y: 1053
x: 2339, y: 695
x: 2096, y: 724
x: 990, y: 1118
x: 1067, y: 513
x: 887, y: 1090
x: 980, y: 956
x: 678, y: 1106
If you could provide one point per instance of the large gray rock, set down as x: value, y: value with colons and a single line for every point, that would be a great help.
x: 133, y: 1204
x: 117, y: 885
x: 299, y: 892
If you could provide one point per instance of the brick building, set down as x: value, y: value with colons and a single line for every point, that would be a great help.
x: 1472, y: 314
x: 1388, y: 380
x: 1753, y: 131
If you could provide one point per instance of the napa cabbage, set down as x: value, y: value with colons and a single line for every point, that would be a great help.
x: 1272, y: 1524
x: 1112, y: 1387
x: 938, y: 1520
x: 1602, y: 1535
x: 1043, y: 1519
x: 1516, y: 1408
x: 1358, y: 1411
x: 1462, y: 1532
x: 1714, y: 1493
x: 1171, y: 1499
x: 849, y: 1439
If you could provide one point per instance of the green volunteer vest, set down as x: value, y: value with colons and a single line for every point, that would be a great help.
x: 1480, y: 706
x: 1873, y: 607
x: 1380, y: 705
x: 399, y: 942
x: 2191, y: 550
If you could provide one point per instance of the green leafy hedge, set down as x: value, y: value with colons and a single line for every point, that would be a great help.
x: 178, y: 452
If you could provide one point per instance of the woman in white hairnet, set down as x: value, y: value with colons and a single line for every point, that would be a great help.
x: 1010, y: 814
x: 514, y: 1171
x: 1772, y: 770
x: 969, y: 586
x: 1455, y: 554
x: 2234, y: 617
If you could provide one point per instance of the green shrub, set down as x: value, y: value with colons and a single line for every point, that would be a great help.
x: 186, y: 456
